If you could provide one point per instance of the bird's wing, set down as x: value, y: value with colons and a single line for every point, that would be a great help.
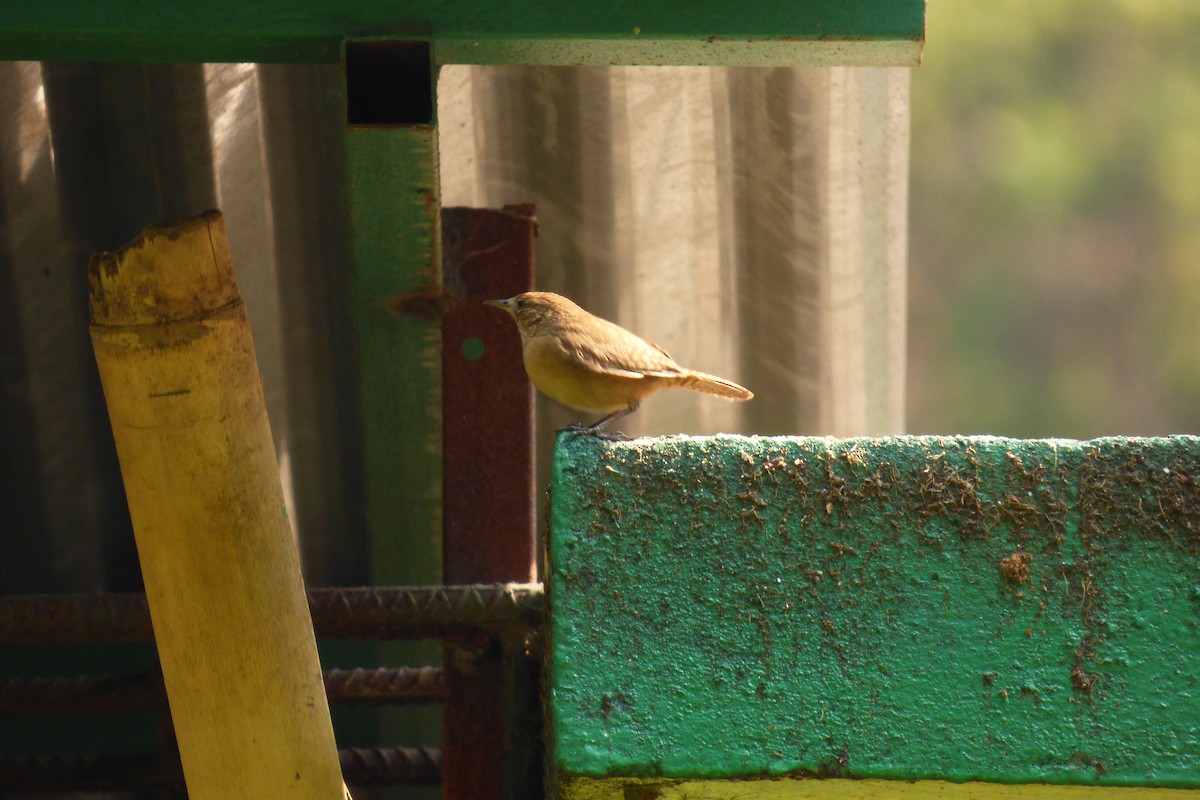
x: 616, y: 351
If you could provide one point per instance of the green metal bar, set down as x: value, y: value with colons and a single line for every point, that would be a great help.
x: 394, y: 215
x: 394, y: 207
x: 866, y: 32
x: 883, y: 610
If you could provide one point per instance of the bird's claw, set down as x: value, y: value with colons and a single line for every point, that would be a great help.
x: 592, y: 430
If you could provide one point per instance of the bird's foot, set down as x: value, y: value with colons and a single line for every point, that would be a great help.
x: 594, y: 430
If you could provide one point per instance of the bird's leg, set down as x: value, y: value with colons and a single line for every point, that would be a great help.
x: 600, y: 423
x: 595, y: 428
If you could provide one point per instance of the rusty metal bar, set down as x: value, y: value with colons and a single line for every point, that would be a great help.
x: 414, y: 766
x: 89, y: 773
x: 488, y: 508
x: 434, y: 612
x: 82, y: 695
x: 358, y: 613
x: 378, y: 766
x: 87, y: 694
x: 75, y: 618
x: 383, y: 686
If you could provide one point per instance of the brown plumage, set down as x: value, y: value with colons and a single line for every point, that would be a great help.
x: 593, y: 365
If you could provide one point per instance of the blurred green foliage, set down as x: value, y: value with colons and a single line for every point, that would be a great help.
x: 1055, y: 219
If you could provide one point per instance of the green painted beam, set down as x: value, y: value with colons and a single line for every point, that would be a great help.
x: 765, y: 32
x: 394, y: 215
x: 394, y: 202
x: 744, y: 617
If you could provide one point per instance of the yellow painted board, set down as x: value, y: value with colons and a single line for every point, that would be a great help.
x: 842, y: 789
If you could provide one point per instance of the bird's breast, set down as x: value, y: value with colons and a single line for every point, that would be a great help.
x: 563, y: 376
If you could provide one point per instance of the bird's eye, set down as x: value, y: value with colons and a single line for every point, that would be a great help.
x: 520, y: 304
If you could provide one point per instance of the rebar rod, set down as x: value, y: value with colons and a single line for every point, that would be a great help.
x: 376, y: 766
x: 88, y: 694
x: 384, y: 686
x: 352, y: 613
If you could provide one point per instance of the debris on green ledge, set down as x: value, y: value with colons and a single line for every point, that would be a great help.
x: 754, y: 615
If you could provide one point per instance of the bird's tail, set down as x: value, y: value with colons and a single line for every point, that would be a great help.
x: 711, y: 384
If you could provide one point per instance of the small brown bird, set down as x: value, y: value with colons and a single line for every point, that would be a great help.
x: 593, y: 365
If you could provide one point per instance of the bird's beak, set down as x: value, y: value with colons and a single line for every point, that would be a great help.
x: 500, y: 304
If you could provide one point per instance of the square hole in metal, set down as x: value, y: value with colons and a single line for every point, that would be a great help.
x: 389, y: 83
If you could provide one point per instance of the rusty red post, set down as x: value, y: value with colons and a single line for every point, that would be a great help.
x: 488, y: 502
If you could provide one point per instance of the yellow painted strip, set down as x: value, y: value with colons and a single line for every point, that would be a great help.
x: 841, y: 789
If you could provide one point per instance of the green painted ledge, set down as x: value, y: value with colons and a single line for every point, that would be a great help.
x: 788, y: 617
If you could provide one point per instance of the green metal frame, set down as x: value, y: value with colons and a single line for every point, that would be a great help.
x: 779, y: 32
x: 393, y: 185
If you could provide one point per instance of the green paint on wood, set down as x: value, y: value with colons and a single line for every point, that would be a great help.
x: 394, y: 215
x: 906, y: 608
x: 865, y: 32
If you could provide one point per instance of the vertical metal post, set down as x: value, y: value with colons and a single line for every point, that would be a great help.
x: 487, y: 422
x: 394, y: 213
x: 490, y: 739
x: 391, y: 150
